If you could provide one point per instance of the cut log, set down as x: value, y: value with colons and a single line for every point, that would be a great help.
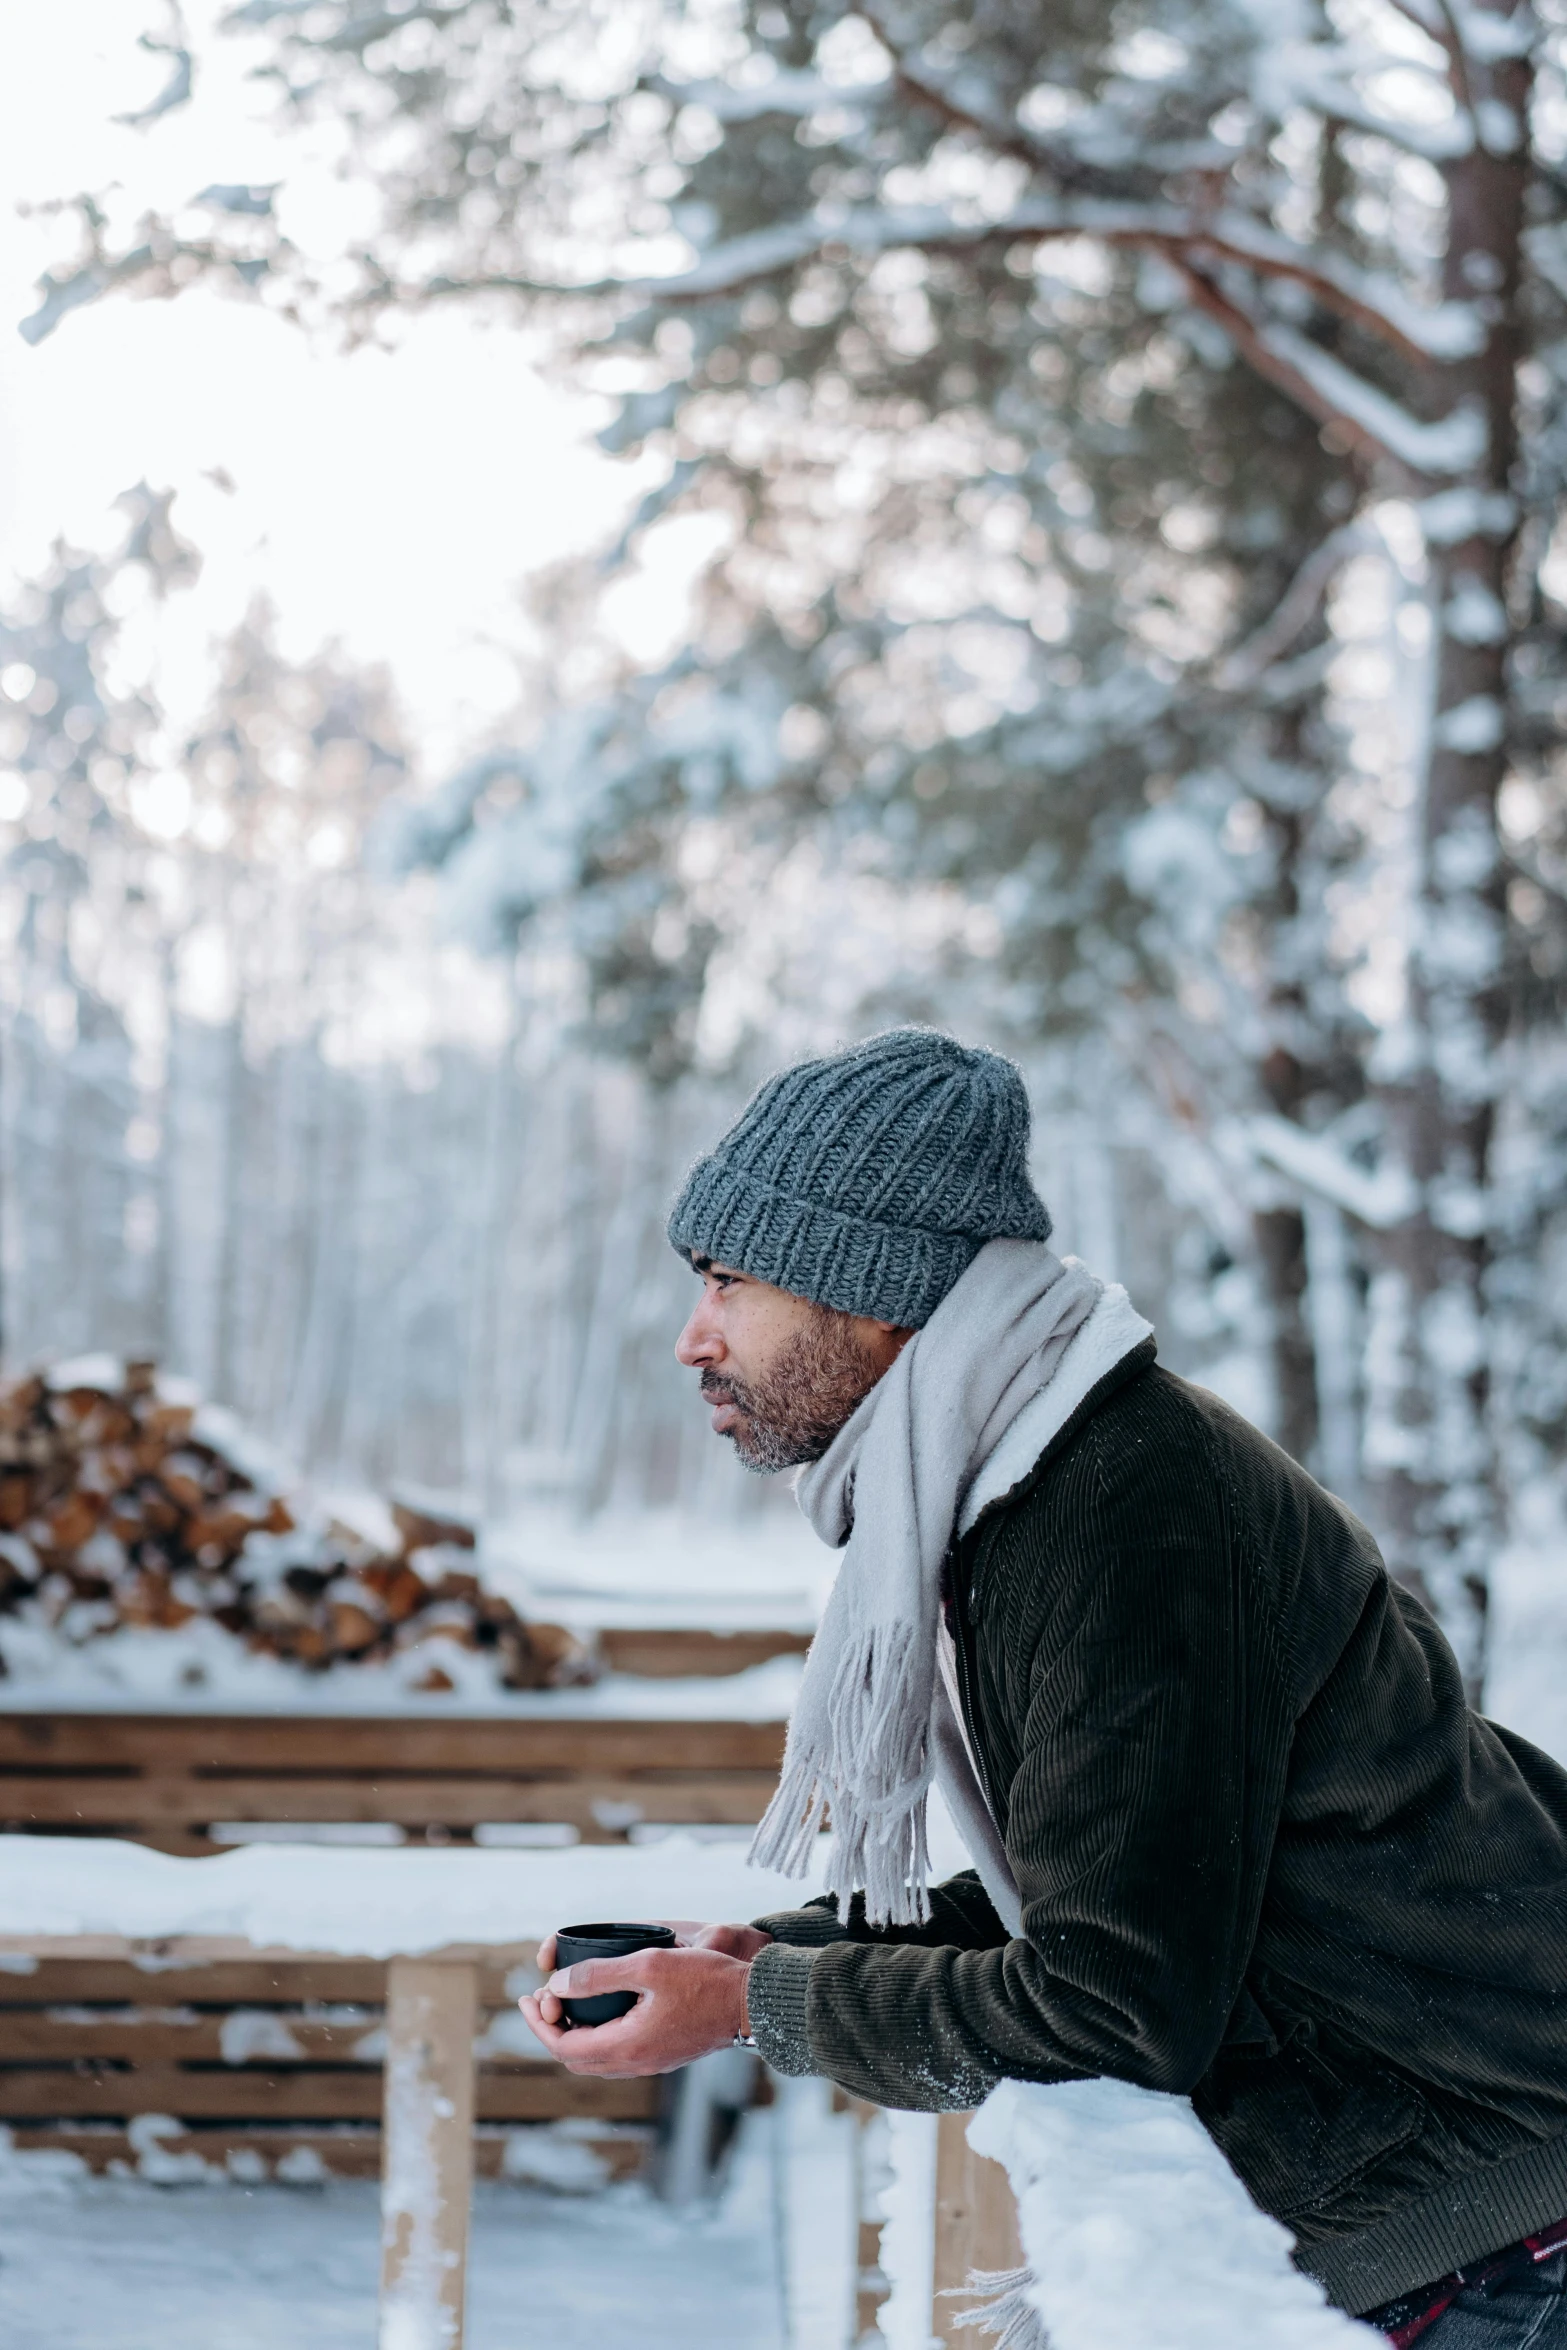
x: 113, y: 1493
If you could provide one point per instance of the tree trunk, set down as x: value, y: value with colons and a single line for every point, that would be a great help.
x: 1430, y: 1452
x: 1281, y: 1251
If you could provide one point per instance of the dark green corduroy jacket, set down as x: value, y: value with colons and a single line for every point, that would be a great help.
x: 1268, y: 1858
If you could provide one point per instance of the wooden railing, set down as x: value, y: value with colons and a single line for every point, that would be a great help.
x: 173, y: 2043
x: 239, y: 2054
x: 169, y: 1780
x: 974, y: 2223
x: 431, y: 2098
x: 428, y: 2102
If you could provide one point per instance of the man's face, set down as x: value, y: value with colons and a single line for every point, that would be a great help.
x: 781, y: 1374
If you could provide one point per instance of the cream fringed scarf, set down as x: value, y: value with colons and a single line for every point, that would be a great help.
x: 962, y: 1415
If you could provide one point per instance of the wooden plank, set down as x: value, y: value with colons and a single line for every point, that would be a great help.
x: 151, y: 2036
x: 350, y: 1982
x: 427, y: 2135
x: 976, y: 2222
x: 522, y: 1746
x: 33, y: 2036
x: 737, y: 1797
x: 659, y: 1654
x: 69, y: 1982
x: 168, y: 1951
x: 348, y: 2149
x: 251, y: 2093
x: 182, y: 1843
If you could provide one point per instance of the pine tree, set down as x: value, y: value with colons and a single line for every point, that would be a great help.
x: 891, y: 285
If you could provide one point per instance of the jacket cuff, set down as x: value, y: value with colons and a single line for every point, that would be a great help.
x: 807, y: 1928
x: 775, y: 1998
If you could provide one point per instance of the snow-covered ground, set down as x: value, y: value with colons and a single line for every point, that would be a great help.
x: 116, y: 2264
x: 120, y: 2264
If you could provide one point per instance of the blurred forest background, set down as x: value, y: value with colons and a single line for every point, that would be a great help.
x: 1098, y: 471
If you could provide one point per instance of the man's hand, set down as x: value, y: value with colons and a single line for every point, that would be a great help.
x: 689, y: 2000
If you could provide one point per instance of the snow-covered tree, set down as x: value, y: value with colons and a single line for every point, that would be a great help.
x: 899, y: 291
x: 78, y: 755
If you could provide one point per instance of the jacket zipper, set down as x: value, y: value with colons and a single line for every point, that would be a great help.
x: 962, y: 1636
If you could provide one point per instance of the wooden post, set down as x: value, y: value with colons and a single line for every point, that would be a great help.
x: 427, y: 2152
x: 976, y: 2220
x: 871, y: 2175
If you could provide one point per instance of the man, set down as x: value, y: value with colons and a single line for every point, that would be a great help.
x: 1236, y: 1833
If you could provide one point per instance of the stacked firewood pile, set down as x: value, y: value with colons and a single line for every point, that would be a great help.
x: 115, y: 1512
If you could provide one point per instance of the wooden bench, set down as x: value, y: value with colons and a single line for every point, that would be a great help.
x: 308, y: 1956
x: 320, y: 1942
x: 433, y: 2101
x: 169, y: 1780
x: 273, y: 2070
x: 277, y: 2069
x: 262, y: 2063
x: 432, y: 2004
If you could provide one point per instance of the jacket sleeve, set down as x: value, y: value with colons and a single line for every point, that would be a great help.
x: 1139, y: 1845
x: 960, y: 1913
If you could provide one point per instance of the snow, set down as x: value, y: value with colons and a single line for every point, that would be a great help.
x: 234, y: 2267
x: 1380, y: 1198
x: 1447, y: 330
x: 1490, y: 37
x: 660, y: 1568
x: 1450, y: 445
x: 818, y: 2223
x: 1321, y: 76
x: 1471, y: 727
x: 1498, y: 125
x: 417, y: 2311
x: 1526, y: 1678
x: 368, y: 1903
x: 201, y: 1669
x: 1458, y: 514
x: 908, y: 2236
x: 798, y: 94
x: 1138, y: 2231
x: 1473, y: 615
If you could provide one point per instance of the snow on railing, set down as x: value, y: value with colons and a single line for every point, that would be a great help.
x: 1090, y: 2215
x: 1137, y: 2232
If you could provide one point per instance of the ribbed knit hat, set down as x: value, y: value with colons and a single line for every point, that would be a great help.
x: 869, y: 1180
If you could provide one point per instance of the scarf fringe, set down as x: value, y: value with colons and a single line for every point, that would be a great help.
x: 867, y: 1767
x: 867, y: 1735
x: 1006, y: 2309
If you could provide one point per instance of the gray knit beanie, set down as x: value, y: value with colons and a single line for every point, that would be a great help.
x: 869, y: 1180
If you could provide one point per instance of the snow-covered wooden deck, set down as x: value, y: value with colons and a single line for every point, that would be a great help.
x: 436, y: 1917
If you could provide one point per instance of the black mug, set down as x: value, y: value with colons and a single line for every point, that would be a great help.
x: 574, y: 1943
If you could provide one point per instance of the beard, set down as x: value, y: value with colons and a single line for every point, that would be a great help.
x: 791, y: 1414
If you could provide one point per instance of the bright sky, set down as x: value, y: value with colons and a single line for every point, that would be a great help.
x: 390, y: 501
